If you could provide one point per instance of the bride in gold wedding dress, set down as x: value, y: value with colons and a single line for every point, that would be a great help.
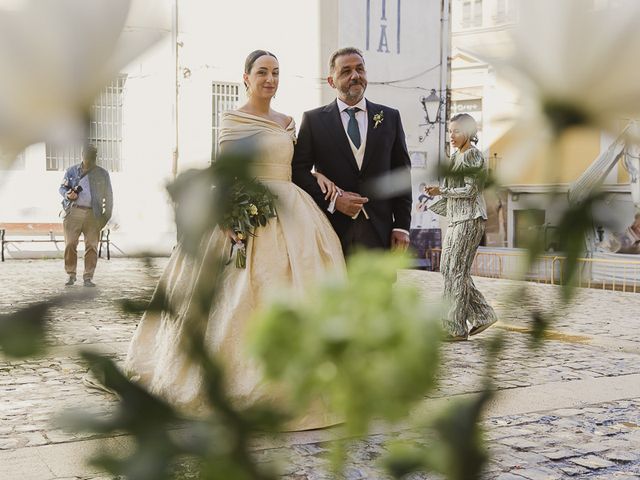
x: 291, y: 251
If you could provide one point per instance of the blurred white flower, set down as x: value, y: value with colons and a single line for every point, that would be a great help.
x: 575, y: 66
x: 55, y: 56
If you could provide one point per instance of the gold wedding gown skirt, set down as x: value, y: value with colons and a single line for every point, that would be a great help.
x: 291, y: 251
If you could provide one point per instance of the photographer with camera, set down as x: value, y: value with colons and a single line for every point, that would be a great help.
x: 87, y: 203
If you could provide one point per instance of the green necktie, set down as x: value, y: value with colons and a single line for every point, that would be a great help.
x: 352, y: 127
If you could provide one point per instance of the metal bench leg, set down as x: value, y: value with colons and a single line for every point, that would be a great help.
x: 100, y: 244
x: 2, y: 232
x: 108, y: 244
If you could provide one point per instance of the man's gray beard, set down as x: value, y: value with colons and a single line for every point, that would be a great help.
x: 353, y: 98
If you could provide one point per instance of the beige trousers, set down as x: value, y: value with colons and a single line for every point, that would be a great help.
x: 80, y: 220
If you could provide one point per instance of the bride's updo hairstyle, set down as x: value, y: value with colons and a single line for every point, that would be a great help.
x: 251, y: 59
x: 468, y: 126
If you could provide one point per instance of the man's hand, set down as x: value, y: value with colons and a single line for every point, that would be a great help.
x: 399, y: 241
x: 71, y: 195
x: 350, y: 203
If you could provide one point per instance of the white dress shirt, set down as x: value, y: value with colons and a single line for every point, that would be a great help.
x: 84, y: 197
x: 363, y: 124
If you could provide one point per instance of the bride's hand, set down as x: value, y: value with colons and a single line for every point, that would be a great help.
x: 232, y: 235
x: 327, y: 186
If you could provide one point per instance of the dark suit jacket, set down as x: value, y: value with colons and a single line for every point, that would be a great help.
x: 323, y: 144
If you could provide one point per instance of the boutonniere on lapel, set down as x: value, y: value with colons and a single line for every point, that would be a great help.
x: 378, y: 118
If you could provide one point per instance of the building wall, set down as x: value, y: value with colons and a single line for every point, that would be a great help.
x: 142, y: 217
x: 578, y: 148
x: 474, y: 80
x: 303, y: 49
x: 401, y: 41
x: 216, y: 38
x: 403, y: 51
x: 213, y: 40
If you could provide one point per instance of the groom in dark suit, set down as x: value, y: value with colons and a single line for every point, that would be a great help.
x: 354, y: 142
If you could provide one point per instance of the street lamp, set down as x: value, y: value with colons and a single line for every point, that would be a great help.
x: 431, y: 106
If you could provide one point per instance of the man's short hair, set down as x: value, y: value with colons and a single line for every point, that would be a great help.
x: 340, y: 52
x: 89, y: 148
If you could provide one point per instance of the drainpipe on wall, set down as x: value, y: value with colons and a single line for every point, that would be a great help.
x: 445, y: 74
x: 176, y: 46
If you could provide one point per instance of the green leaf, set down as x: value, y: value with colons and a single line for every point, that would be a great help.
x: 22, y: 333
x: 572, y: 229
x: 368, y: 348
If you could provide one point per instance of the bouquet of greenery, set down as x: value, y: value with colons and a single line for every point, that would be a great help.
x: 252, y: 205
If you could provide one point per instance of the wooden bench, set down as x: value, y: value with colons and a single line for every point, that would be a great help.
x: 43, y: 232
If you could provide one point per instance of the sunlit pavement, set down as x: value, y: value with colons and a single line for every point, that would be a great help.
x: 569, y: 409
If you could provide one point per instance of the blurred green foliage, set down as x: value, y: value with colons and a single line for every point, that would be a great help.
x: 368, y: 348
x: 453, y: 439
x: 165, y: 440
x: 573, y: 227
x: 563, y: 115
x: 202, y: 197
x: 23, y: 332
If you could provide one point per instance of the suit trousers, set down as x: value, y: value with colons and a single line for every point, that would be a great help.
x: 361, y: 234
x: 81, y: 221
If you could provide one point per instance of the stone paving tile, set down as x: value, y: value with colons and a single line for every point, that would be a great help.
x: 97, y: 320
x: 594, y: 441
x: 591, y: 312
x: 463, y: 364
x: 34, y: 392
x: 30, y: 403
x: 548, y: 457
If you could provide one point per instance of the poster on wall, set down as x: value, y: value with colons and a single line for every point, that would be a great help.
x: 426, y: 245
x: 425, y: 235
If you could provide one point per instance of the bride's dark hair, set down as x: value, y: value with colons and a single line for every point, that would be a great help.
x: 251, y: 59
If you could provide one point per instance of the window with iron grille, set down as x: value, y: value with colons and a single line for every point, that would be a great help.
x: 225, y: 96
x: 471, y: 13
x: 466, y: 14
x: 477, y: 14
x: 105, y: 132
x: 505, y: 11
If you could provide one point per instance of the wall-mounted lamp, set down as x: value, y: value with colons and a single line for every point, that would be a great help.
x: 432, y: 105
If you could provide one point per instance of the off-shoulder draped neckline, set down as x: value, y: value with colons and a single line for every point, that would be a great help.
x: 263, y: 119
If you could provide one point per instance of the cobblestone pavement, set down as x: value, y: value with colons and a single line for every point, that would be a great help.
x: 596, y: 442
x: 593, y: 342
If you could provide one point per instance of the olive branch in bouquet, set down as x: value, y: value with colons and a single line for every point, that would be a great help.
x: 252, y: 205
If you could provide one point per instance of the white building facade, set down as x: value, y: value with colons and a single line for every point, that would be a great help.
x: 161, y: 115
x: 523, y: 206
